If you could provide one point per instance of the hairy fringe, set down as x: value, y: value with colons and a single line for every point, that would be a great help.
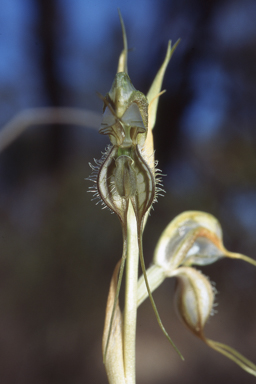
x: 94, y: 178
x: 157, y: 173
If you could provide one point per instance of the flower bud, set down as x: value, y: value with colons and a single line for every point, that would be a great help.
x: 194, y: 302
x: 194, y: 298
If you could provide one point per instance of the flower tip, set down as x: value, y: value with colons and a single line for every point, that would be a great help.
x: 233, y: 355
x: 122, y: 63
x: 234, y: 255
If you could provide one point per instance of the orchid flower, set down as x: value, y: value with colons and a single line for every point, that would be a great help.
x: 126, y: 181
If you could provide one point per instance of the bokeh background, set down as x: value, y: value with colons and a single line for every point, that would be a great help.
x: 57, y: 249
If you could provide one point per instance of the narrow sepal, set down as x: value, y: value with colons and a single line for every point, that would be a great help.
x: 233, y: 355
x: 122, y: 63
x: 157, y: 84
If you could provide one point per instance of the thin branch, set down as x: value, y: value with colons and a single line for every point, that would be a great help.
x: 49, y: 115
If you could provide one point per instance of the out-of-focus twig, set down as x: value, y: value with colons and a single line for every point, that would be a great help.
x: 49, y: 115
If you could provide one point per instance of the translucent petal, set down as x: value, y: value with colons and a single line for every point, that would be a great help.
x: 133, y: 117
x: 108, y: 119
x: 203, y: 252
x: 190, y: 238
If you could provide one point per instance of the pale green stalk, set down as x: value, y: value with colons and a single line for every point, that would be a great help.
x: 156, y: 275
x: 130, y: 309
x: 126, y: 182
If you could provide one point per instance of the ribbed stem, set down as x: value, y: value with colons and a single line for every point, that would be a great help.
x: 130, y: 309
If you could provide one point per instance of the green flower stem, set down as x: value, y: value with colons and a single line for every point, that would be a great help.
x: 156, y: 275
x: 130, y: 307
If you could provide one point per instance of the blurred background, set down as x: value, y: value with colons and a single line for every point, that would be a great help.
x: 58, y: 249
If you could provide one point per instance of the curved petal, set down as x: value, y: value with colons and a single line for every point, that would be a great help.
x: 192, y: 238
